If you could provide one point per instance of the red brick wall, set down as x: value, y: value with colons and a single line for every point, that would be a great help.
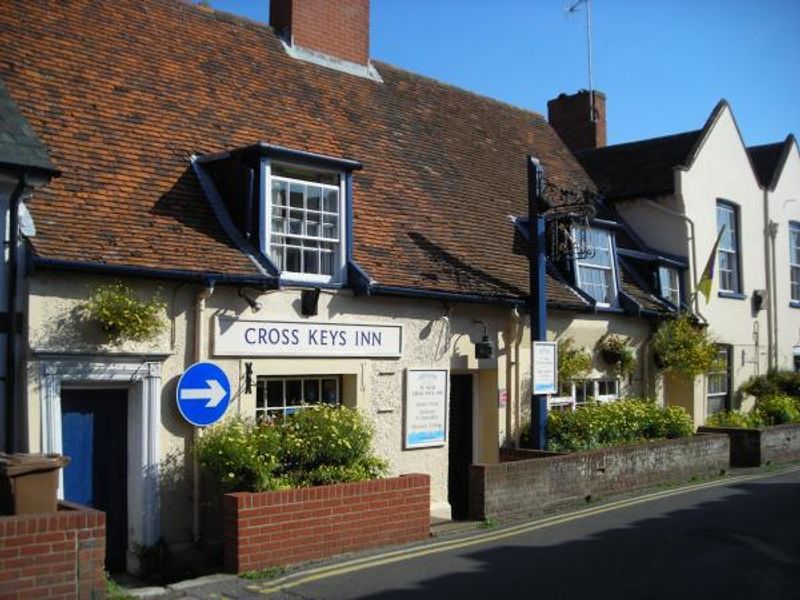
x: 53, y: 555
x: 570, y: 116
x: 338, y: 28
x: 283, y: 528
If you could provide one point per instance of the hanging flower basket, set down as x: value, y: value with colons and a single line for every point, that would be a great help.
x: 617, y: 352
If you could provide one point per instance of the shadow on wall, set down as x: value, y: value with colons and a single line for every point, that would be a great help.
x: 724, y: 548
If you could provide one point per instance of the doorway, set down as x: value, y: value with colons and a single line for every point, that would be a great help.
x: 460, y: 444
x: 95, y: 437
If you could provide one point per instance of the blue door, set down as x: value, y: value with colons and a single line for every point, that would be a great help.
x: 94, y: 435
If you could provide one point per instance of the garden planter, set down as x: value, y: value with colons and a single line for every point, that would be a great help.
x: 282, y: 528
x: 752, y: 447
x: 611, y: 357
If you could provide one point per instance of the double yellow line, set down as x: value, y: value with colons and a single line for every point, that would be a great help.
x: 386, y: 558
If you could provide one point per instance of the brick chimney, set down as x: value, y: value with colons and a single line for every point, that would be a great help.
x: 571, y: 117
x: 336, y: 28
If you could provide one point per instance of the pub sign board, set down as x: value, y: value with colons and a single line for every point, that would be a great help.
x: 426, y: 408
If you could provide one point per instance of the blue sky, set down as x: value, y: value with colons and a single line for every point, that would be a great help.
x: 663, y: 64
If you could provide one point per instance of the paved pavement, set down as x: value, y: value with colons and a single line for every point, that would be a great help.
x: 734, y: 538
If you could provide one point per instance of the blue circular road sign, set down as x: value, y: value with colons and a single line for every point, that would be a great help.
x: 203, y: 394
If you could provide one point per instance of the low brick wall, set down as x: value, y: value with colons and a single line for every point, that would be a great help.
x: 522, y: 488
x: 762, y: 445
x: 284, y: 528
x: 53, y: 555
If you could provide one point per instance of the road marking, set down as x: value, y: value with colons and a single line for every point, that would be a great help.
x: 311, y: 575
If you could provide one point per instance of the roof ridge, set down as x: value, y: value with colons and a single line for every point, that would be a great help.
x: 644, y: 141
x: 461, y: 89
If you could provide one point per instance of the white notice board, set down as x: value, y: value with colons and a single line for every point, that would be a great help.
x: 426, y: 408
x: 545, y: 368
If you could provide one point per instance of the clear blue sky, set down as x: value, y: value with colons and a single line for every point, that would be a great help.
x: 663, y: 64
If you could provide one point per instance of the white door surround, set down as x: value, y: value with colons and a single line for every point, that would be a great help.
x: 142, y: 377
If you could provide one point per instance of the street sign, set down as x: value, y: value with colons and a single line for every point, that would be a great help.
x: 203, y: 394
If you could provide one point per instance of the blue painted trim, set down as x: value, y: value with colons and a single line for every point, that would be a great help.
x: 615, y: 310
x: 653, y: 257
x: 732, y: 295
x: 288, y: 154
x: 794, y: 304
x: 134, y: 271
x: 285, y: 282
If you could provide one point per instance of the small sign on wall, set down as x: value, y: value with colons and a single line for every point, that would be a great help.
x: 426, y: 408
x: 545, y: 368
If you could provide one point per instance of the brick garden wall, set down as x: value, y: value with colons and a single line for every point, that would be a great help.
x: 283, y: 528
x: 523, y: 488
x: 53, y: 555
x: 763, y: 445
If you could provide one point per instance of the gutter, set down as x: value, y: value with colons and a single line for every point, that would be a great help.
x: 37, y: 262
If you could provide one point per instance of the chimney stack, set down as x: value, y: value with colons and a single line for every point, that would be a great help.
x: 579, y: 122
x: 337, y: 28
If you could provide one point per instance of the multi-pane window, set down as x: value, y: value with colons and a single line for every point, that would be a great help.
x: 728, y: 252
x: 600, y: 390
x: 280, y: 396
x: 794, y: 259
x: 718, y: 396
x: 669, y: 284
x: 594, y: 273
x: 305, y: 220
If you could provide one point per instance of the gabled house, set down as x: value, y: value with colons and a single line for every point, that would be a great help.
x: 677, y: 192
x: 318, y: 224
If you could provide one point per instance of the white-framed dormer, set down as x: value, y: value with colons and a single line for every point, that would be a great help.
x: 304, y: 224
x: 596, y: 273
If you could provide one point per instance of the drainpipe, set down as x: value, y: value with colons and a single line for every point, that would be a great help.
x: 199, y: 356
x: 773, y: 299
x: 11, y: 337
x: 769, y: 245
x: 693, y: 247
x: 512, y: 380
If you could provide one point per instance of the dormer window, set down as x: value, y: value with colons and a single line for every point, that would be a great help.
x: 668, y: 280
x: 595, y: 273
x: 304, y: 222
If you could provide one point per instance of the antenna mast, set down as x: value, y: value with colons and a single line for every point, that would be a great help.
x: 572, y: 9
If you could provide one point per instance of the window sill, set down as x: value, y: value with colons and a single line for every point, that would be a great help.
x: 794, y: 304
x: 732, y: 295
x: 609, y: 309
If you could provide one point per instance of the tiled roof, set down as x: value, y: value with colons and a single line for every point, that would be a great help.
x: 765, y: 161
x: 124, y: 92
x: 639, y: 168
x: 19, y: 146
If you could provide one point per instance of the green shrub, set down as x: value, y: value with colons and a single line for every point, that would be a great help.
x: 681, y: 345
x: 317, y: 445
x: 735, y: 418
x: 778, y: 382
x: 573, y: 362
x: 622, y: 422
x: 122, y: 315
x: 778, y: 409
x: 617, y: 351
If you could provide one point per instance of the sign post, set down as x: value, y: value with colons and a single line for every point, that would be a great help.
x: 203, y: 394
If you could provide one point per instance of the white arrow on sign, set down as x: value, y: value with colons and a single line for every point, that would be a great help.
x: 214, y: 393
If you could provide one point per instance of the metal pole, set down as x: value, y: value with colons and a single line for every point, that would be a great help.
x: 538, y: 295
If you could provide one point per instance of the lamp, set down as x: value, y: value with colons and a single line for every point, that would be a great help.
x: 309, y: 302
x: 484, y: 348
x: 254, y: 303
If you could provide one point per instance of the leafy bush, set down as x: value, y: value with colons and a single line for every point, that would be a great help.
x: 573, y: 362
x: 622, y: 422
x: 122, y: 315
x: 680, y: 345
x: 778, y: 382
x: 778, y: 409
x: 735, y: 418
x: 315, y: 446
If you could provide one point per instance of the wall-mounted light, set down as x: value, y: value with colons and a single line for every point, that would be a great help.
x: 309, y: 302
x: 484, y: 348
x: 251, y: 297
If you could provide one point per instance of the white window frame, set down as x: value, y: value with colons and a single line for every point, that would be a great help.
x: 579, y: 263
x: 669, y: 293
x: 340, y: 271
x: 265, y: 410
x: 734, y: 253
x: 794, y: 267
x: 727, y: 377
x: 592, y: 388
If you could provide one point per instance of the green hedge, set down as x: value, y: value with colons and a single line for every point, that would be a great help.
x: 625, y: 421
x: 772, y: 384
x: 774, y: 409
x: 317, y: 445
